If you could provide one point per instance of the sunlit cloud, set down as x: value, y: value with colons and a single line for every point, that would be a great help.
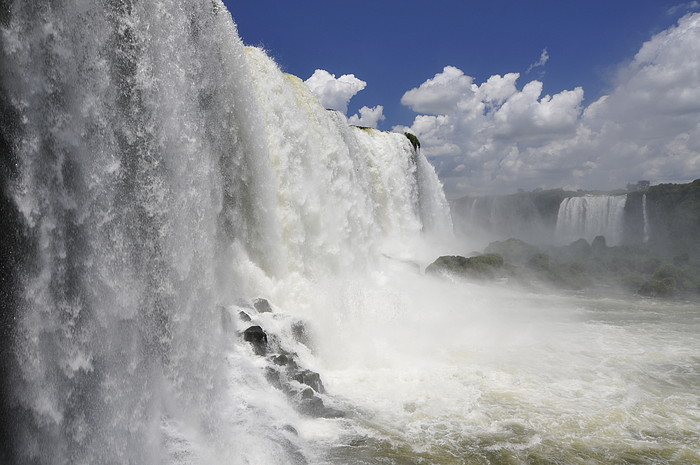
x: 368, y: 117
x: 501, y: 135
x: 334, y: 93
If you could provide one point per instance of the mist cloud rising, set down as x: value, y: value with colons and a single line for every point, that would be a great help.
x: 500, y: 135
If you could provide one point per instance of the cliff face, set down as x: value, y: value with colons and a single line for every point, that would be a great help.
x: 666, y: 217
x: 531, y: 216
x: 634, y: 232
x: 674, y: 217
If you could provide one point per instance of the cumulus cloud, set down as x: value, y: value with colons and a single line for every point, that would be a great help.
x: 442, y: 93
x: 544, y: 58
x: 334, y: 93
x: 368, y: 117
x: 498, y: 136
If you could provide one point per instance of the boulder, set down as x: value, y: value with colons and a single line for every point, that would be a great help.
x: 481, y: 266
x: 311, y: 404
x: 262, y: 305
x: 285, y: 361
x: 310, y: 378
x: 257, y: 338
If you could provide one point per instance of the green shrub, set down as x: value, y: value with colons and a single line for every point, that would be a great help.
x: 658, y: 287
x: 414, y: 140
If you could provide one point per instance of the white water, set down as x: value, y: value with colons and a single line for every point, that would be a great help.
x: 646, y: 218
x: 165, y: 171
x: 589, y: 216
x: 168, y: 175
x: 471, y: 374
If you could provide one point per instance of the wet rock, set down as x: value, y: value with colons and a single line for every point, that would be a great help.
x: 312, y: 405
x: 310, y: 378
x: 262, y: 305
x: 274, y: 377
x: 257, y: 338
x: 243, y: 316
x: 481, y: 266
x: 291, y: 429
x: 284, y: 360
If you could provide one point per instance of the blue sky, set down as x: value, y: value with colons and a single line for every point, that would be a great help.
x: 397, y: 46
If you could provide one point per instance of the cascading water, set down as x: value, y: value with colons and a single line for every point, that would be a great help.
x: 589, y: 216
x: 158, y: 177
x: 161, y: 170
x: 645, y: 238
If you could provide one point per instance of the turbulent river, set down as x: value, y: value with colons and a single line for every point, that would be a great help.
x: 464, y: 374
x: 202, y: 265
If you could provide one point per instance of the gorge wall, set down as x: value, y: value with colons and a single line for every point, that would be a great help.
x: 665, y: 217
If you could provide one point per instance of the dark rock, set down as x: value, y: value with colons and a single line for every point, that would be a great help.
x: 274, y: 377
x: 481, y: 266
x: 311, y: 404
x: 283, y: 372
x: 284, y: 360
x: 257, y: 338
x: 243, y: 316
x: 311, y: 379
x: 308, y: 393
x: 413, y: 139
x: 291, y: 429
x: 262, y: 305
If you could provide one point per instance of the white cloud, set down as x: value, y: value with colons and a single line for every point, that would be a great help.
x: 684, y: 7
x: 498, y: 88
x: 544, y: 58
x: 498, y: 137
x: 442, y: 93
x: 334, y: 93
x: 369, y: 117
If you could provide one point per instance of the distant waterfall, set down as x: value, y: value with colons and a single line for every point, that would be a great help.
x: 646, y: 218
x: 160, y: 169
x: 589, y: 216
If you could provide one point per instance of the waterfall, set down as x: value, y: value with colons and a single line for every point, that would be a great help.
x: 159, y: 171
x: 434, y: 208
x: 646, y: 218
x: 589, y: 216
